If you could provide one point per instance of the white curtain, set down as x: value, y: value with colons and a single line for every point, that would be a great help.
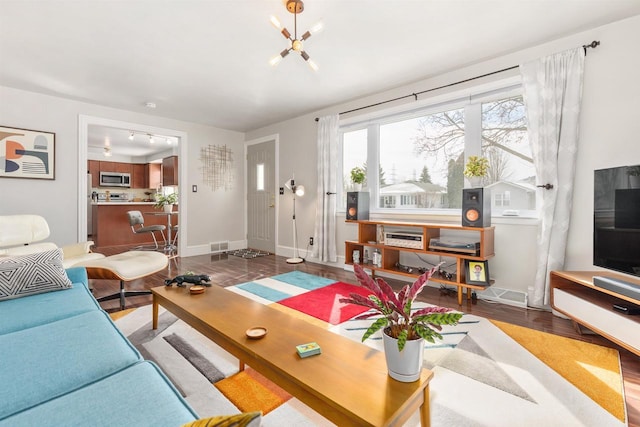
x: 553, y: 95
x: 325, y: 230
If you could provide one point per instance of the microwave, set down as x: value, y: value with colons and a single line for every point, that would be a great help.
x: 115, y: 179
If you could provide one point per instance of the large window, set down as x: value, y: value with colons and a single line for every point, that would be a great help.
x: 415, y: 161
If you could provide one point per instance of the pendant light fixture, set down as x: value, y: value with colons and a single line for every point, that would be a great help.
x: 295, y: 7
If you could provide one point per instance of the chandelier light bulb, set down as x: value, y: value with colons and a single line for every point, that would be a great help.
x: 313, y: 65
x: 318, y: 26
x: 275, y: 22
x: 275, y: 60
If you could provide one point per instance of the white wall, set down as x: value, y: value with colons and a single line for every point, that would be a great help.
x: 609, y: 136
x: 215, y: 213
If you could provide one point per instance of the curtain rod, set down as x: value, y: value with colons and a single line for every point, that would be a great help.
x: 414, y: 95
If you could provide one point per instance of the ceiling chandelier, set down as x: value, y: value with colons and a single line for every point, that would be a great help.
x: 295, y: 7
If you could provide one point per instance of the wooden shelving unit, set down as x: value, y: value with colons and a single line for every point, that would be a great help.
x: 368, y: 238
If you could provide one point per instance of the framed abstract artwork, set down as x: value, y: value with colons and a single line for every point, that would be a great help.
x: 27, y: 153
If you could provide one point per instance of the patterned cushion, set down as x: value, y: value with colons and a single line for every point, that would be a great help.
x: 32, y: 274
x: 248, y: 419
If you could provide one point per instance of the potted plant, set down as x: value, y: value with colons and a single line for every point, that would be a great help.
x: 476, y: 169
x: 358, y: 176
x: 634, y: 176
x: 166, y: 202
x: 403, y: 330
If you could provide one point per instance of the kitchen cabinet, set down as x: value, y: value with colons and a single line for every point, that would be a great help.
x: 115, y: 167
x: 123, y: 167
x: 107, y: 166
x: 139, y: 177
x: 93, y: 168
x: 154, y: 175
x: 147, y: 175
x: 170, y: 170
x: 112, y: 228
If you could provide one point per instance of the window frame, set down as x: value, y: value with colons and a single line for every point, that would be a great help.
x: 469, y: 99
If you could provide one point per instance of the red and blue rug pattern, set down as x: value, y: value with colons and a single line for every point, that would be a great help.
x: 315, y: 296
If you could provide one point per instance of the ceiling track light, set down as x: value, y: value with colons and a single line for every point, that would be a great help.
x: 107, y: 151
x: 151, y: 139
x: 131, y: 135
x: 295, y: 7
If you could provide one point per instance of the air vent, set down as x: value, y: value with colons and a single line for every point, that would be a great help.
x: 504, y: 296
x: 218, y: 247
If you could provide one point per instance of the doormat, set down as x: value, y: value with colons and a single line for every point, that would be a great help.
x: 248, y: 253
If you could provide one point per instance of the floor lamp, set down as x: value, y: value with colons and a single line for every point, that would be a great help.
x: 296, y: 190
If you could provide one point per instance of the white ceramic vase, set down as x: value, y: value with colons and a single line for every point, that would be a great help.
x: 168, y: 208
x: 405, y: 365
x: 475, y: 181
x: 357, y: 186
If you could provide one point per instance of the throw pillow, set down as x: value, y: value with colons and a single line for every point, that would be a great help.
x: 32, y: 274
x: 247, y: 419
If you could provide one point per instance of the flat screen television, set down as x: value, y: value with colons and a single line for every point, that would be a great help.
x: 616, y: 219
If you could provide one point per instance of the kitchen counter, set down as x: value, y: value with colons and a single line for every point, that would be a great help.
x: 111, y: 224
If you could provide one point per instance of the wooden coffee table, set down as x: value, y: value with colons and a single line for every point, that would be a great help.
x: 348, y: 383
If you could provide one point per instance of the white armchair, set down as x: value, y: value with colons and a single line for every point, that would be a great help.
x: 19, y: 234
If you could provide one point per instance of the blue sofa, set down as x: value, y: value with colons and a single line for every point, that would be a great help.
x: 63, y: 362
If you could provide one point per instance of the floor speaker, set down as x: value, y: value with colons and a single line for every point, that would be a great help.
x: 358, y: 205
x: 476, y: 207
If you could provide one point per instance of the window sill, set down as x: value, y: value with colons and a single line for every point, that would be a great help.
x: 444, y: 217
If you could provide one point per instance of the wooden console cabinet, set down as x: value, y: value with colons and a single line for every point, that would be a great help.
x: 574, y: 295
x: 367, y: 238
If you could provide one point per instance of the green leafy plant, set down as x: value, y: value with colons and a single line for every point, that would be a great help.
x: 476, y: 167
x: 633, y: 171
x: 397, y: 319
x: 358, y: 175
x: 169, y: 199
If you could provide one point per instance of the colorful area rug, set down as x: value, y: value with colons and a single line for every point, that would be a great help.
x: 312, y: 295
x: 484, y: 373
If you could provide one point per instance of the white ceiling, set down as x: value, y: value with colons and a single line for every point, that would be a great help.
x: 207, y: 61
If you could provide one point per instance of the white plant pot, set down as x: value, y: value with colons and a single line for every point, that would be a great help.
x: 357, y: 187
x: 168, y: 208
x: 405, y: 365
x: 475, y: 181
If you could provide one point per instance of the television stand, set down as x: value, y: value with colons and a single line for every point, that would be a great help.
x: 574, y: 294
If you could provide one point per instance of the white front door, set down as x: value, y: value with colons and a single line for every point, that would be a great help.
x: 261, y: 196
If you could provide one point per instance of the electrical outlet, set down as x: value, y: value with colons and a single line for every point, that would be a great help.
x: 310, y: 241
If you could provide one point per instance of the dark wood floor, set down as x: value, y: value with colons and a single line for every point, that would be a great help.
x: 227, y: 270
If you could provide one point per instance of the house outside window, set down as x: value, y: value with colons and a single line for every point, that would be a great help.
x: 502, y: 199
x: 418, y: 157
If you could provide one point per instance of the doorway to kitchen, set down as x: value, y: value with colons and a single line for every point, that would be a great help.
x: 112, y: 134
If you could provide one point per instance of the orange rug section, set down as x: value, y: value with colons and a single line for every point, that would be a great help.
x: 593, y: 369
x: 120, y: 314
x: 249, y: 391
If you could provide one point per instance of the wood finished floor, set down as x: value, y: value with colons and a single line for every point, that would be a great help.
x: 227, y: 270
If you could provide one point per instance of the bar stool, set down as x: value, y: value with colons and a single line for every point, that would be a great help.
x: 136, y: 218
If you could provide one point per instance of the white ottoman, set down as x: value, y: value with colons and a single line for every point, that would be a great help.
x: 125, y: 267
